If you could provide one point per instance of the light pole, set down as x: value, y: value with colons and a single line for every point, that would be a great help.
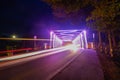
x: 12, y: 47
x: 35, y: 37
x: 13, y: 36
x: 93, y: 40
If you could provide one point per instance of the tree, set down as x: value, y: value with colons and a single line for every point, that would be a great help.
x: 66, y: 7
x: 103, y: 14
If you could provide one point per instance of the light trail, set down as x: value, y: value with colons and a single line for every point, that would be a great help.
x: 24, y: 39
x: 73, y: 47
x: 85, y: 36
x: 24, y: 60
x: 34, y: 53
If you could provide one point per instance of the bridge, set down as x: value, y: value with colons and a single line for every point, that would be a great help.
x: 76, y: 37
x: 58, y: 38
x: 67, y: 59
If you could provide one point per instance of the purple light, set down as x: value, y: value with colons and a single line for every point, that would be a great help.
x: 51, y: 39
x: 47, y: 53
x: 35, y: 37
x: 86, y: 44
x: 93, y: 35
x: 73, y: 47
x: 84, y: 31
x: 75, y: 36
x: 59, y: 40
x: 51, y: 32
x: 82, y: 41
x: 56, y: 41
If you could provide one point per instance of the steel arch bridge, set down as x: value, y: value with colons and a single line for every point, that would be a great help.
x: 63, y: 37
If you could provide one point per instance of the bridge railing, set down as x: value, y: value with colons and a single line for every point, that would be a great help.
x: 12, y: 52
x: 11, y: 46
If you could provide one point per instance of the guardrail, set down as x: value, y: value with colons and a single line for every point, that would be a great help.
x: 10, y: 52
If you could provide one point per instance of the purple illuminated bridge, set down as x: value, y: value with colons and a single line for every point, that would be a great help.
x: 60, y: 37
x: 67, y: 60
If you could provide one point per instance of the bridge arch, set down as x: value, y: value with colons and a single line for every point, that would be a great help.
x: 61, y: 37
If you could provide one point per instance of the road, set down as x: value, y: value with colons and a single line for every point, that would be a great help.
x: 65, y: 65
x: 86, y: 66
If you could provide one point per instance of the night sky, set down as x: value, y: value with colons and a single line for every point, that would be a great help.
x: 27, y: 18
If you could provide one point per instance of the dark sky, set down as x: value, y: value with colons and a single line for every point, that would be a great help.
x: 28, y: 18
x: 22, y: 16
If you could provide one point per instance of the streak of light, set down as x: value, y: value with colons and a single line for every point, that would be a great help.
x: 86, y: 46
x: 73, y: 47
x: 33, y: 53
x: 23, y: 60
x: 24, y: 39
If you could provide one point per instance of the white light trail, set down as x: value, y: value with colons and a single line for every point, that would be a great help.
x: 24, y: 60
x: 82, y: 41
x: 86, y: 44
x: 51, y: 39
x: 73, y: 47
x: 24, y: 39
x: 33, y: 53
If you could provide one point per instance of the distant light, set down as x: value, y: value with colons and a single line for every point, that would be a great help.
x: 73, y: 47
x: 67, y: 40
x: 14, y: 36
x: 35, y: 37
x: 84, y: 31
x: 93, y: 35
x: 51, y: 32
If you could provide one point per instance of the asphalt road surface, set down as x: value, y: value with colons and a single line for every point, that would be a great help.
x: 85, y: 67
x: 65, y: 65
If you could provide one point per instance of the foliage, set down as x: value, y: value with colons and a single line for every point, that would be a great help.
x: 104, y: 15
x: 64, y: 8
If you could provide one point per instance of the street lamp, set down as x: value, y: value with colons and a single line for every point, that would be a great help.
x: 12, y: 47
x: 35, y: 37
x: 13, y: 36
x: 93, y: 40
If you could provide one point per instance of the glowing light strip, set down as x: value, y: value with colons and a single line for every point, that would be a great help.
x: 64, y: 34
x: 55, y: 40
x: 66, y: 31
x: 85, y: 39
x: 13, y: 62
x: 82, y: 41
x: 51, y: 39
x: 93, y: 35
x: 26, y: 55
x: 24, y: 39
x: 67, y: 34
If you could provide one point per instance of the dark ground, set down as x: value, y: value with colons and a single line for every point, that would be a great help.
x: 110, y: 68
